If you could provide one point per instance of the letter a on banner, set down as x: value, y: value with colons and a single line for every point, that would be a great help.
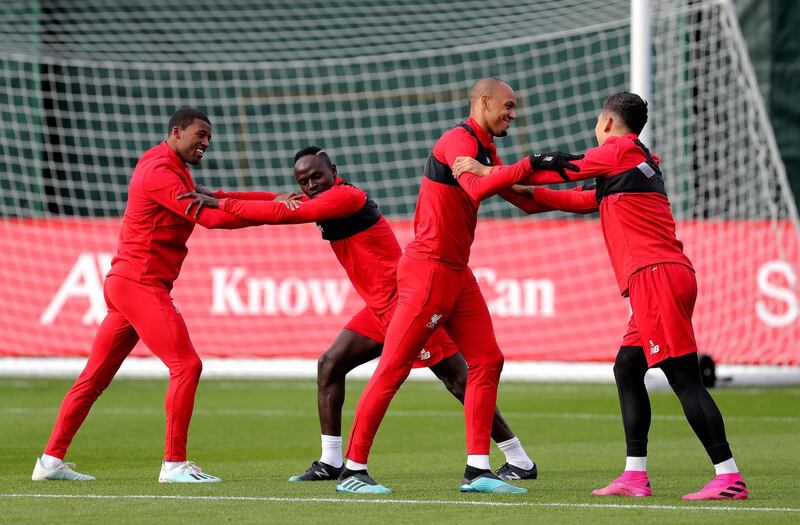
x: 85, y: 279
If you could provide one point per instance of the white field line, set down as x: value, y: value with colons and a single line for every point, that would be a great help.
x: 255, y: 412
x: 732, y: 507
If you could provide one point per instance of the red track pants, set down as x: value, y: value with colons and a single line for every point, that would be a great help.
x: 432, y: 295
x: 135, y: 310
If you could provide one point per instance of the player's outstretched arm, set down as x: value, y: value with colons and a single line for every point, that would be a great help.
x: 243, y: 195
x: 595, y: 162
x: 486, y: 183
x: 490, y: 180
x: 335, y: 203
x: 163, y: 184
x: 534, y: 199
x: 523, y: 198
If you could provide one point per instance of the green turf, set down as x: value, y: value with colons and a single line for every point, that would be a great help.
x: 255, y: 434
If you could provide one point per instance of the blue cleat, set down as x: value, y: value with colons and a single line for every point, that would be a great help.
x: 489, y: 483
x: 360, y: 483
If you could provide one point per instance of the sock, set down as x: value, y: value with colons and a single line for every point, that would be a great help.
x: 355, y: 467
x: 51, y: 462
x: 726, y: 467
x: 332, y: 450
x: 638, y: 464
x: 478, y: 461
x: 515, y: 454
x: 170, y: 465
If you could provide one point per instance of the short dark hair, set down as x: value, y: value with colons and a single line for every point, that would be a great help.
x: 313, y: 150
x: 630, y: 108
x: 184, y: 117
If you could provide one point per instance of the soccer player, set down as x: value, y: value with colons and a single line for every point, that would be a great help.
x: 437, y: 288
x: 652, y: 270
x: 367, y: 249
x: 152, y: 247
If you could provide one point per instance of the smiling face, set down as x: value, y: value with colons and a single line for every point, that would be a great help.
x: 192, y: 142
x: 314, y: 174
x: 499, y: 109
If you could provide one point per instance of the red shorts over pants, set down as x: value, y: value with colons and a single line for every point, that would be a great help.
x: 432, y: 295
x: 135, y: 311
x: 662, y: 301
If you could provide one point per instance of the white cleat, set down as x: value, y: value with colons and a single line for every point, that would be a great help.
x: 186, y: 472
x: 63, y: 472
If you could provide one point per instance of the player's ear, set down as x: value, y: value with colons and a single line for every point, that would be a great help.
x: 333, y: 169
x: 609, y: 124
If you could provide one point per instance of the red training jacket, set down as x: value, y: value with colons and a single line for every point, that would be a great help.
x: 638, y: 227
x: 369, y: 257
x: 152, y: 241
x: 447, y: 211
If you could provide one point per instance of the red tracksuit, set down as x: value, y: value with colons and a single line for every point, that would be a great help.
x: 152, y: 246
x: 437, y: 288
x: 639, y: 231
x: 363, y: 243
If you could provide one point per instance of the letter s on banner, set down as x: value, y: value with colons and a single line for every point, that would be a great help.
x: 778, y: 293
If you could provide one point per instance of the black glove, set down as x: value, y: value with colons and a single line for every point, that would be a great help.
x: 555, y: 161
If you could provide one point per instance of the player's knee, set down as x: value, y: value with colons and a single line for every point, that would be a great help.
x: 498, y: 361
x: 325, y: 368
x: 192, y: 367
x: 490, y: 361
x: 630, y: 365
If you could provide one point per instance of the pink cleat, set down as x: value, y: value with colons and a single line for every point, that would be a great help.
x: 631, y: 483
x: 724, y: 486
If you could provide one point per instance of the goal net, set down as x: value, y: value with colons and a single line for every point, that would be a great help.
x: 87, y: 86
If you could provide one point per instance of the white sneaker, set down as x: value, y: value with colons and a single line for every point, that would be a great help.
x: 63, y: 472
x: 186, y: 472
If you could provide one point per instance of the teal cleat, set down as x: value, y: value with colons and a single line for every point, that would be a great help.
x: 489, y: 483
x: 361, y: 483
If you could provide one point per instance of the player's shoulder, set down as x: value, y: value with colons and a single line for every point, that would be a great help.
x: 456, y: 139
x: 345, y: 191
x: 622, y: 143
x: 347, y: 187
x: 156, y: 157
x: 459, y: 131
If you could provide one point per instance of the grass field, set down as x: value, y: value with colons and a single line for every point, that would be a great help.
x: 255, y: 434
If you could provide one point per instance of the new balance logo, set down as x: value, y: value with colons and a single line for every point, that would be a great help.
x: 512, y: 475
x: 654, y: 348
x: 424, y: 355
x: 434, y: 321
x: 321, y: 473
